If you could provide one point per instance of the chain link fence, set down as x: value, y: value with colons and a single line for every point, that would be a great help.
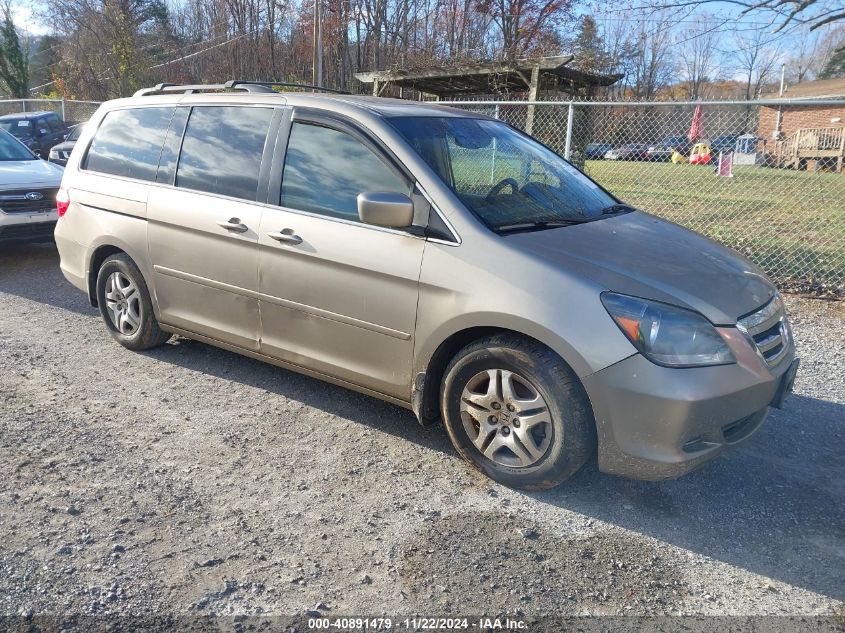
x: 763, y: 177
x: 73, y: 112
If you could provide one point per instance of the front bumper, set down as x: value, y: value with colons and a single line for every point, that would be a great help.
x: 660, y: 423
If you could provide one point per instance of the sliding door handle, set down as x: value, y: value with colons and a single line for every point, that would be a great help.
x: 234, y: 225
x: 285, y: 235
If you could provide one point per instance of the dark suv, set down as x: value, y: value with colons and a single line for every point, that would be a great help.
x: 39, y: 131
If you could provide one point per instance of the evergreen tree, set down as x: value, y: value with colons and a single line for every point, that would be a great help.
x: 835, y: 66
x: 14, y: 65
x: 589, y: 49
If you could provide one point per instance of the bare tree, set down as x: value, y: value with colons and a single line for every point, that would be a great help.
x: 646, y: 58
x: 783, y: 14
x: 756, y: 59
x: 698, y: 55
x: 521, y: 22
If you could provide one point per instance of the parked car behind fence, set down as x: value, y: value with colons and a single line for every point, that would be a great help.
x: 631, y: 151
x: 39, y: 131
x: 596, y: 151
x: 662, y: 152
x: 61, y: 152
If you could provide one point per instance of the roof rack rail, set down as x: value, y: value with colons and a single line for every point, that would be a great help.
x: 264, y: 87
x: 191, y: 88
x: 287, y: 84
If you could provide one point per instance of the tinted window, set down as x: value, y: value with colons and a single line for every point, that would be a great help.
x: 325, y: 170
x: 222, y: 149
x: 55, y: 123
x: 170, y: 151
x: 128, y: 143
x: 22, y: 128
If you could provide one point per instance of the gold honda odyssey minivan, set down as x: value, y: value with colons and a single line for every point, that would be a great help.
x: 438, y: 259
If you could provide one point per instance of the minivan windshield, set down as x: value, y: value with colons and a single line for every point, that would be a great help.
x: 510, y: 181
x: 11, y: 150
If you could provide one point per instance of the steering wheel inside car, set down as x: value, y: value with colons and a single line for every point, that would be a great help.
x: 505, y: 182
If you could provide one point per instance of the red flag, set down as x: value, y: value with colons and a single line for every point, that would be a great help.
x: 695, y: 128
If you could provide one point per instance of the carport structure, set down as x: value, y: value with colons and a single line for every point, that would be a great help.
x: 544, y: 75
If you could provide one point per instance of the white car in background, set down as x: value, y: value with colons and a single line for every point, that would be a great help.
x: 28, y: 187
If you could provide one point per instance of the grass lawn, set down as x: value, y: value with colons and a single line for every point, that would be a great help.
x: 790, y: 222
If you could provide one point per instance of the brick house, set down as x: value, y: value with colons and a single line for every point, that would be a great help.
x: 806, y: 136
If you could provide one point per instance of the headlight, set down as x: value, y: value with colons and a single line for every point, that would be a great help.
x: 54, y: 153
x: 667, y: 335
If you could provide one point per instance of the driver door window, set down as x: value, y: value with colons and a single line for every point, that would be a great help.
x: 326, y: 169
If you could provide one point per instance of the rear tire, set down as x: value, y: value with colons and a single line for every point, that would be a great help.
x: 126, y: 306
x: 516, y: 411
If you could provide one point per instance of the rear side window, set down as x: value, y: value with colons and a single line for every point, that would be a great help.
x: 128, y: 143
x: 326, y: 169
x: 222, y: 150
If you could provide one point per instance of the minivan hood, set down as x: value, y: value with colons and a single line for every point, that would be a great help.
x: 641, y: 255
x: 24, y: 173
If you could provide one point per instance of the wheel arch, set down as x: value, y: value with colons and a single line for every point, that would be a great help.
x: 100, y: 254
x: 425, y: 394
x: 102, y: 251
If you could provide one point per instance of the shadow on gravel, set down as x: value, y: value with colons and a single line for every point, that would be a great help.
x: 31, y: 271
x: 774, y: 506
x: 311, y: 392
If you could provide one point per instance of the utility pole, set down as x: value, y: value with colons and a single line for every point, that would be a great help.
x: 317, y: 60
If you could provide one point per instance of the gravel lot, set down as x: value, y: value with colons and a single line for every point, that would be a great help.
x: 190, y: 480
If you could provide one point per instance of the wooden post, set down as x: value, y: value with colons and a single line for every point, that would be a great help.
x: 375, y: 86
x: 533, y: 89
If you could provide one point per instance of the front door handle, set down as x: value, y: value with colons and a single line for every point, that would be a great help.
x: 234, y: 225
x: 286, y: 235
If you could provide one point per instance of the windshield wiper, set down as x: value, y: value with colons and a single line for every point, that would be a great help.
x: 537, y: 225
x: 621, y: 207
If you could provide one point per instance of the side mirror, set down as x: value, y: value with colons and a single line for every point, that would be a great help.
x: 385, y: 208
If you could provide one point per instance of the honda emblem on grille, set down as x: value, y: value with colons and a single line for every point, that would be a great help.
x: 34, y: 195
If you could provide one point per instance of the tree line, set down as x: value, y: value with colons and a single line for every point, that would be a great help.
x: 100, y: 49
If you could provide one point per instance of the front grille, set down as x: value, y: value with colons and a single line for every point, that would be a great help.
x: 767, y: 328
x: 16, y: 201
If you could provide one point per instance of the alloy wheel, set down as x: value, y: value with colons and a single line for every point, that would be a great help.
x: 124, y: 303
x: 506, y: 418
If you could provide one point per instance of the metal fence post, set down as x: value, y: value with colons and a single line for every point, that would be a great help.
x: 64, y: 117
x: 567, y: 150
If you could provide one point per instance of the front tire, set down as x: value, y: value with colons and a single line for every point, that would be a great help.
x: 126, y: 306
x: 517, y: 412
